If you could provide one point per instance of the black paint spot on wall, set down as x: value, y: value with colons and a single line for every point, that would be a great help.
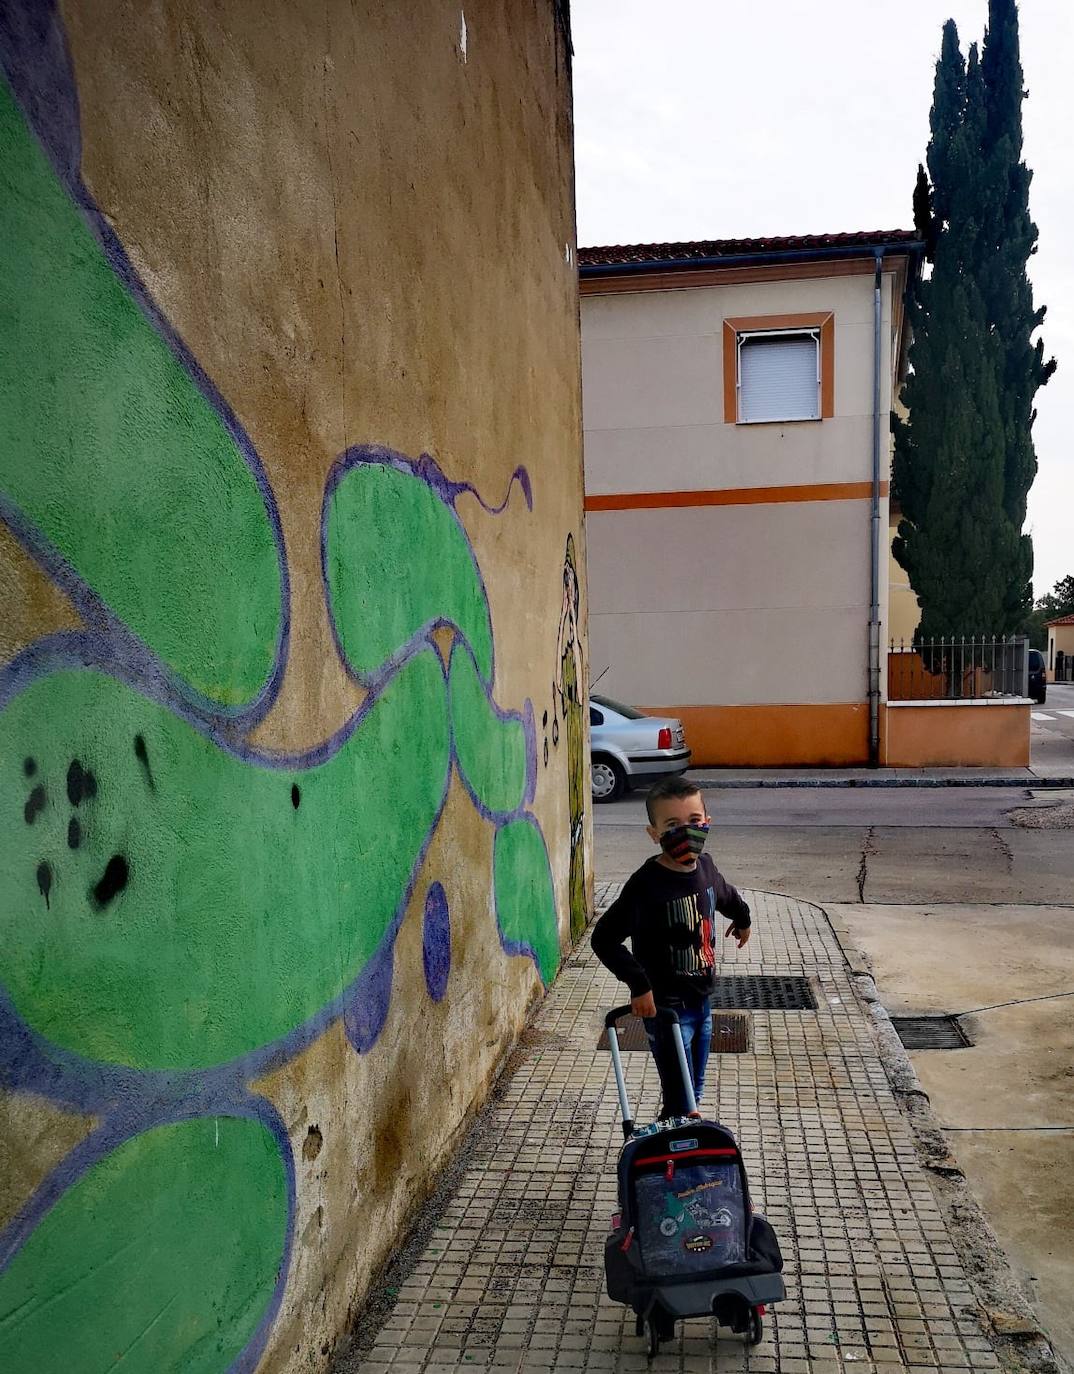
x: 113, y: 882
x: 81, y: 784
x: 35, y: 804
x: 44, y: 881
x: 141, y: 753
x: 296, y: 796
x: 29, y: 767
x: 74, y: 833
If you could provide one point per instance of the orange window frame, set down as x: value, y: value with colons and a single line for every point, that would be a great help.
x: 824, y: 321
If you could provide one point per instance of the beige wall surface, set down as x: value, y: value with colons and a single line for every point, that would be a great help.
x: 293, y: 663
x: 739, y: 604
x: 1060, y: 639
x: 653, y: 405
x: 731, y: 605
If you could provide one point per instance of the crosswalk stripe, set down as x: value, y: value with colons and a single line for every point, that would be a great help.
x: 1040, y: 715
x: 1066, y: 713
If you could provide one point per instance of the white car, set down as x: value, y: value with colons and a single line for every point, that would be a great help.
x: 629, y: 748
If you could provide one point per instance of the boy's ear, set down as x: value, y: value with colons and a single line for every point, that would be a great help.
x: 651, y: 831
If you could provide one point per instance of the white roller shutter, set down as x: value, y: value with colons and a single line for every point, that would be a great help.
x: 778, y: 377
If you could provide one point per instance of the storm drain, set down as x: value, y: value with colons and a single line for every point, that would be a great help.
x: 931, y: 1032
x: 763, y: 992
x: 730, y: 1033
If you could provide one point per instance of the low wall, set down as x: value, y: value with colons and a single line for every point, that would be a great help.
x: 784, y: 736
x: 956, y: 734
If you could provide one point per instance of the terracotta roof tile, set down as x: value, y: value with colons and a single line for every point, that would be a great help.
x: 630, y: 253
x: 1062, y: 620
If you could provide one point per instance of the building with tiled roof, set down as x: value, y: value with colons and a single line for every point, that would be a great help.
x: 1059, y: 655
x: 652, y: 256
x: 736, y: 395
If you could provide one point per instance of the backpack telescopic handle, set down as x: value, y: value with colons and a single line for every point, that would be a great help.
x: 669, y: 1017
x: 617, y: 1063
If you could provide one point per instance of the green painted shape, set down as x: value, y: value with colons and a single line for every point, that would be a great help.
x: 491, y: 752
x: 242, y: 916
x: 162, y: 1257
x: 398, y: 560
x: 110, y: 449
x: 525, y: 900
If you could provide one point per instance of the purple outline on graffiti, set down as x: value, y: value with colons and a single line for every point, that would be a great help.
x: 430, y: 472
x: 36, y: 60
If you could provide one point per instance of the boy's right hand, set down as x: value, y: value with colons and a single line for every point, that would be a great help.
x: 643, y: 1005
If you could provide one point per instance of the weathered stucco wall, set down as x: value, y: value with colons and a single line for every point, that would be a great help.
x: 291, y: 652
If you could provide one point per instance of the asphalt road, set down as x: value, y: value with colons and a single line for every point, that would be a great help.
x: 1051, y: 730
x: 1057, y: 712
x: 876, y: 845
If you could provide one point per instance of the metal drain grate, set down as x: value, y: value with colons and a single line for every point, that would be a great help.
x: 763, y: 992
x: 931, y: 1032
x: 730, y: 1034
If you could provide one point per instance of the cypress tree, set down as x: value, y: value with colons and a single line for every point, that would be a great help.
x: 1006, y: 239
x: 964, y: 459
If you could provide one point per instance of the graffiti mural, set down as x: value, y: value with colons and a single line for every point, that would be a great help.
x: 185, y: 910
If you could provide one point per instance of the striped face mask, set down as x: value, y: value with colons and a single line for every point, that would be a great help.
x: 684, y: 842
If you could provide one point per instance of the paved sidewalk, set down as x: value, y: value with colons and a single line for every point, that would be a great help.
x: 511, y: 1275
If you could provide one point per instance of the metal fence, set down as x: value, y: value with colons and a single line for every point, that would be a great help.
x: 1064, y: 667
x: 958, y: 669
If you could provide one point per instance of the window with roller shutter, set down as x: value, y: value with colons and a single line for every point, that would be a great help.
x: 779, y: 375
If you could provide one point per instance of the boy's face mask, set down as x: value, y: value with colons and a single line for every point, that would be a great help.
x: 684, y: 842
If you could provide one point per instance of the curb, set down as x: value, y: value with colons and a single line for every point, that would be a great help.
x: 1036, y: 784
x: 1004, y: 1310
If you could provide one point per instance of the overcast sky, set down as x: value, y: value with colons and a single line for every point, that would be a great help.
x: 703, y: 119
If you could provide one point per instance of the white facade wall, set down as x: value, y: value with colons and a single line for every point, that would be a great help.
x: 728, y: 604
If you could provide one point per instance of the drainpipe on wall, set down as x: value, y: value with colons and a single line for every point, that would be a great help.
x: 874, y: 529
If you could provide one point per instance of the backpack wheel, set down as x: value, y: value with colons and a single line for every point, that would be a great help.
x: 755, y: 1329
x: 654, y: 1338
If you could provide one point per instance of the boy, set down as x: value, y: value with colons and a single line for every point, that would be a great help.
x: 667, y: 911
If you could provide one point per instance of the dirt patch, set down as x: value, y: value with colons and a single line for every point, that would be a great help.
x: 1057, y: 816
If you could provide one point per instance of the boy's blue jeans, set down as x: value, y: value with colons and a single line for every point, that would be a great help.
x: 695, y: 1020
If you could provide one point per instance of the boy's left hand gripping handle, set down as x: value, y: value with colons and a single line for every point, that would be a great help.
x: 662, y: 1014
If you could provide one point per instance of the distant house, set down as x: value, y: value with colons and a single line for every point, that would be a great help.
x: 736, y: 397
x: 1060, y: 655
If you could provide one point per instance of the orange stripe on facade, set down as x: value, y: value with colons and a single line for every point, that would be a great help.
x: 734, y: 496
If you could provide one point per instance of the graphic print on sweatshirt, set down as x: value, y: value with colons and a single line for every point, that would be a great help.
x: 689, y: 923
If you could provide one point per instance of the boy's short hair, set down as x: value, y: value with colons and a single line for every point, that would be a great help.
x: 670, y: 789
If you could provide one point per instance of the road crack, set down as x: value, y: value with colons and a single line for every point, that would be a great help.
x: 867, y: 850
x: 1004, y: 848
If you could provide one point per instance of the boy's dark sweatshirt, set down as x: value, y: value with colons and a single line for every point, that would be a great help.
x: 669, y: 919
